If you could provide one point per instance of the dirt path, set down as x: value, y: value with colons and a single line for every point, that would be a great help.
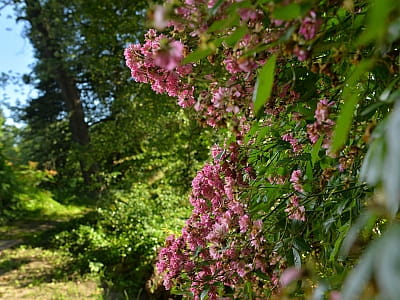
x: 31, y: 272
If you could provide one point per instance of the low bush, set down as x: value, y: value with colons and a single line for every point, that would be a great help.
x: 121, y: 245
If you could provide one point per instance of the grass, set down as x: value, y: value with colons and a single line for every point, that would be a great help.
x: 31, y: 269
x: 37, y: 273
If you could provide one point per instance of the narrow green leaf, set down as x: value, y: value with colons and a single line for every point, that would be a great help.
x: 372, y: 168
x: 220, y: 25
x: 203, y: 51
x: 287, y: 12
x: 376, y: 29
x: 301, y: 244
x: 315, y: 150
x: 236, y: 36
x: 204, y: 294
x: 391, y: 165
x: 216, y: 6
x: 264, y: 83
x: 296, y: 258
x: 360, y: 275
x: 387, y: 266
x: 351, y: 96
x: 197, y: 55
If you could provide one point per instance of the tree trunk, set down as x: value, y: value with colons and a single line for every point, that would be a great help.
x: 47, y: 47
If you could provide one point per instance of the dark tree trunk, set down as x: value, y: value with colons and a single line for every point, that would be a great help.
x: 47, y: 47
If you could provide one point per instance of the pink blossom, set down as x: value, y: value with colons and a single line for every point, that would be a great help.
x: 300, y: 53
x: 295, y: 180
x: 294, y: 210
x: 289, y: 275
x: 169, y: 56
x: 247, y: 14
x: 296, y: 146
x: 323, y: 125
x: 309, y: 26
x: 160, y: 20
x: 244, y: 223
x: 335, y: 295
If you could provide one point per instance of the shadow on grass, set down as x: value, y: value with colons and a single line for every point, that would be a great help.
x: 40, y: 234
x: 12, y: 264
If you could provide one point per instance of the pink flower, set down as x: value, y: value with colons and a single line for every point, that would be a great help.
x: 289, y: 275
x: 310, y: 26
x: 169, y: 56
x: 160, y: 17
x: 296, y: 146
x: 294, y: 210
x: 300, y: 53
x: 244, y: 223
x: 335, y: 295
x: 295, y: 180
x: 322, y: 111
x: 247, y: 14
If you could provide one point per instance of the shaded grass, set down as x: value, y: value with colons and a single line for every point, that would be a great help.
x: 35, y: 269
x: 37, y: 273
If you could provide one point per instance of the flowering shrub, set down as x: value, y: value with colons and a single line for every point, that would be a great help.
x: 289, y: 80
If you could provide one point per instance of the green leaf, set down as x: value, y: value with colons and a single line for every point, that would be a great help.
x: 301, y: 244
x: 309, y: 173
x: 296, y: 258
x: 376, y: 29
x: 264, y: 83
x: 354, y: 231
x: 216, y: 6
x: 388, y: 265
x: 287, y: 12
x: 359, y: 276
x: 391, y: 167
x: 315, y: 150
x: 381, y: 260
x: 220, y: 25
x: 351, y: 96
x: 197, y: 55
x: 204, y: 294
x: 372, y: 167
x: 236, y: 36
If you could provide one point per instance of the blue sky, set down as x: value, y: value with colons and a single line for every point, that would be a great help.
x: 16, y: 54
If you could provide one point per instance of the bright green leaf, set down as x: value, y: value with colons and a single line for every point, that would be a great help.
x: 315, y: 150
x: 197, y: 55
x: 287, y: 12
x: 223, y: 24
x: 236, y: 36
x: 351, y: 96
x: 264, y: 84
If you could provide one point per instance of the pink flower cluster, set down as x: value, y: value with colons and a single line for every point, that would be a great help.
x: 220, y: 243
x: 295, y: 179
x: 157, y: 62
x: 295, y: 210
x: 323, y: 125
x: 310, y: 26
x: 296, y: 146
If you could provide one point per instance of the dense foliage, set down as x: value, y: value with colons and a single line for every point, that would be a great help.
x: 302, y: 86
x: 132, y: 170
x: 297, y: 102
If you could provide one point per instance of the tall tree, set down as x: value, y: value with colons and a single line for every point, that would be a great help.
x: 79, y: 70
x: 46, y: 21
